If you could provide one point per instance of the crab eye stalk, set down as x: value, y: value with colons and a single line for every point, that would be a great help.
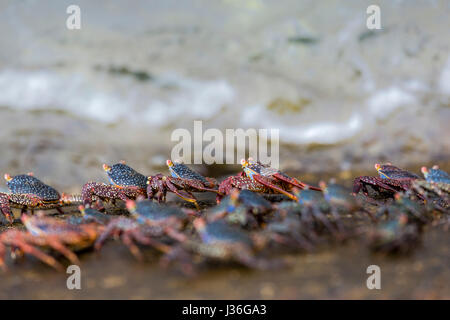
x: 82, y: 209
x: 169, y: 163
x: 424, y: 170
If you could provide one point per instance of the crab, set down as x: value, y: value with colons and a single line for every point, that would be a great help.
x: 437, y: 181
x: 436, y: 192
x: 244, y: 183
x: 263, y: 178
x: 28, y: 192
x: 257, y: 171
x: 221, y: 241
x: 404, y: 204
x: 339, y: 197
x: 435, y: 175
x: 294, y: 230
x: 340, y: 200
x: 313, y: 208
x: 391, y: 180
x: 394, y: 236
x: 47, y: 232
x: 182, y: 182
x: 125, y: 184
x: 149, y: 220
x: 243, y: 207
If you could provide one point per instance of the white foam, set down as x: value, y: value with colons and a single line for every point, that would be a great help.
x: 193, y: 98
x: 444, y: 79
x: 318, y: 131
x: 385, y: 101
x: 111, y: 100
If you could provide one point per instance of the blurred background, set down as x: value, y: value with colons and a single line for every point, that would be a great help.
x: 342, y: 96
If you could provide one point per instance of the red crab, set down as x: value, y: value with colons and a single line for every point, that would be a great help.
x: 28, y: 192
x: 46, y: 232
x: 126, y: 183
x: 150, y: 220
x: 182, y: 182
x: 391, y: 180
x: 258, y: 177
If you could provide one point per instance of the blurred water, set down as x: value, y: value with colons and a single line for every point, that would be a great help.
x: 342, y: 96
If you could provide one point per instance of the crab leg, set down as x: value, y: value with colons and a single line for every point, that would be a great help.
x: 103, y: 191
x: 110, y: 229
x: 61, y: 248
x: 5, y: 208
x: 264, y: 181
x: 295, y: 182
x: 322, y: 218
x: 182, y: 194
x: 127, y: 239
x: 199, y: 186
x: 19, y: 241
x: 359, y: 184
x: 150, y: 242
x: 337, y: 218
x: 174, y: 234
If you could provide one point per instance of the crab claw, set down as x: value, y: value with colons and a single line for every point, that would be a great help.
x: 82, y: 209
x: 377, y: 166
x: 169, y: 163
x: 106, y: 167
x: 244, y: 162
x: 8, y: 177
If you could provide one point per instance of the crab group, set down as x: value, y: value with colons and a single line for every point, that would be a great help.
x: 238, y: 228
